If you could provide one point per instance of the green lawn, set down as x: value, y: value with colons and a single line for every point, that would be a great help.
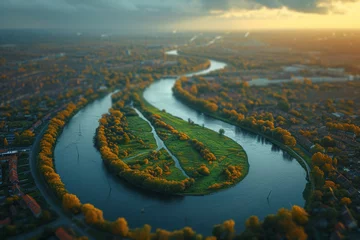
x: 141, y: 129
x: 227, y: 151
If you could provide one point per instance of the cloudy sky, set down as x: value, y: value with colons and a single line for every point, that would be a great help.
x: 124, y: 15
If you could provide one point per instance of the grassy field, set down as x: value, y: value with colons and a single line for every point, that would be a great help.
x: 140, y: 152
x: 171, y: 172
x: 227, y: 152
x: 141, y: 129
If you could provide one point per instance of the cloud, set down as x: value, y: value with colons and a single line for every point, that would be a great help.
x: 304, y: 6
x: 136, y: 14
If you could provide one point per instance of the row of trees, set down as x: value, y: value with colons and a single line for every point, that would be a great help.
x: 344, y: 127
x: 203, y: 150
x: 263, y: 123
x: 187, y: 97
x: 267, y: 127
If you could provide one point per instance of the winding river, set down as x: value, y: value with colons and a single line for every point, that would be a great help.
x: 81, y: 169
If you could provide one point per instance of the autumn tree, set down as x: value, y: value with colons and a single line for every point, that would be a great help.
x: 299, y: 215
x: 143, y: 233
x: 92, y: 214
x: 317, y: 148
x: 323, y: 161
x: 120, y: 227
x: 226, y: 230
x: 345, y: 201
x: 318, y: 176
x: 253, y: 222
x: 70, y: 202
x: 203, y: 170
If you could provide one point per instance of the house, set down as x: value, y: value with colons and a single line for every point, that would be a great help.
x: 347, y: 218
x: 32, y: 205
x: 61, y: 234
x: 13, y: 176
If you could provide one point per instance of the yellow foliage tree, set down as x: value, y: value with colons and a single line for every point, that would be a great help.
x: 70, y: 201
x: 120, y: 227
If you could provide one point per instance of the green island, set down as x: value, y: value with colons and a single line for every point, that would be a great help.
x: 207, y: 161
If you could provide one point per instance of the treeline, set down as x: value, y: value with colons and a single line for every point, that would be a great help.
x: 188, y: 98
x: 347, y: 127
x: 256, y: 122
x: 203, y: 150
x: 232, y: 174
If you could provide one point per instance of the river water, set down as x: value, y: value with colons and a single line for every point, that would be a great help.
x: 84, y: 174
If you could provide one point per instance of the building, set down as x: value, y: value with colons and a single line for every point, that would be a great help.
x: 32, y: 205
x: 13, y: 176
x: 61, y: 234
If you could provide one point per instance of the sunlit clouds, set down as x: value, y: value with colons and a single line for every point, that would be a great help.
x: 159, y: 15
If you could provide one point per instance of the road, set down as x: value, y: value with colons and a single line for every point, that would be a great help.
x: 63, y: 219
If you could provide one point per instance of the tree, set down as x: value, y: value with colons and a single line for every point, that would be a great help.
x: 92, y: 214
x: 221, y: 131
x: 120, y: 227
x: 318, y: 176
x: 253, y: 222
x: 194, y: 90
x: 6, y: 142
x: 203, y: 170
x: 299, y: 215
x: 283, y: 105
x: 345, y: 201
x: 225, y: 230
x: 70, y: 201
x: 317, y: 148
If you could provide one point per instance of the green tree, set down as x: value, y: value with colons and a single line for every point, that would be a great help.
x: 221, y: 131
x: 283, y: 105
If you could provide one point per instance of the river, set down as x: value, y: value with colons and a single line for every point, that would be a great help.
x: 271, y: 169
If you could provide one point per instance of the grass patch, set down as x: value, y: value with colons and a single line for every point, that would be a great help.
x: 143, y: 140
x: 227, y: 152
